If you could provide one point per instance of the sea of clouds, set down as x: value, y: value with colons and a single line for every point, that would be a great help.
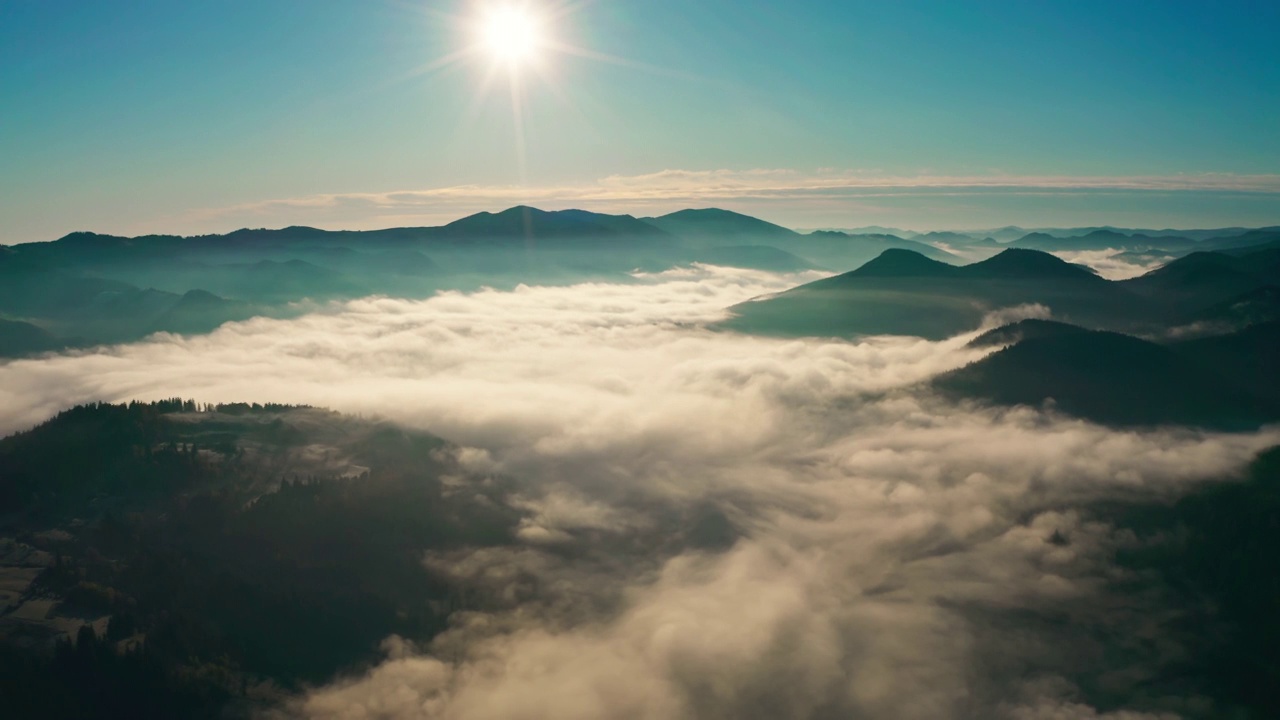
x: 716, y: 525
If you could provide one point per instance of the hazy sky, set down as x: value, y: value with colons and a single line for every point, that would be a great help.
x: 207, y: 115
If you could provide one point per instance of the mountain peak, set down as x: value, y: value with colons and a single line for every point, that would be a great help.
x: 718, y: 222
x: 898, y: 262
x: 87, y: 238
x: 1022, y: 263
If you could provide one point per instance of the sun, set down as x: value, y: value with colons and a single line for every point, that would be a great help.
x: 511, y: 35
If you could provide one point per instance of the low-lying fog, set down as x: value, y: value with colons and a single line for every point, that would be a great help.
x: 845, y: 544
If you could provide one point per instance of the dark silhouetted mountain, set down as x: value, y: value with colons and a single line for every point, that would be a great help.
x: 903, y: 263
x: 904, y: 293
x: 1024, y: 330
x: 720, y: 224
x: 1020, y: 264
x: 1122, y: 380
x: 529, y: 224
x: 1192, y: 284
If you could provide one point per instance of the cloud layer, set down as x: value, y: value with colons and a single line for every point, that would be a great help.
x: 715, y: 526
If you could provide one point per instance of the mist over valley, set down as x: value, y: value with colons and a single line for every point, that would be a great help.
x: 639, y: 360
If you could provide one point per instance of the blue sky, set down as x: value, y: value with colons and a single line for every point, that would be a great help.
x: 207, y: 115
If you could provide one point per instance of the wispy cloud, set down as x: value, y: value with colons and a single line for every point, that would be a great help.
x: 672, y: 189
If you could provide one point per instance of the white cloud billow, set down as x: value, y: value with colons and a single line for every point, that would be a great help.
x: 715, y: 525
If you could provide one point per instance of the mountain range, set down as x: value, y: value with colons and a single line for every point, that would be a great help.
x: 89, y: 288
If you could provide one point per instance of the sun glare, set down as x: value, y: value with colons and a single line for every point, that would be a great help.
x: 511, y: 35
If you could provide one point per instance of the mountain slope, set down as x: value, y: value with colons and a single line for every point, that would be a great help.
x: 246, y: 543
x: 1122, y: 380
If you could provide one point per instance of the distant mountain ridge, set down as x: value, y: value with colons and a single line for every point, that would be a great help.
x: 523, y: 222
x: 105, y: 288
x: 720, y: 223
x: 902, y: 292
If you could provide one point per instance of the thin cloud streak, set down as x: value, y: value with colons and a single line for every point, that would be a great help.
x: 674, y: 187
x: 791, y: 193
